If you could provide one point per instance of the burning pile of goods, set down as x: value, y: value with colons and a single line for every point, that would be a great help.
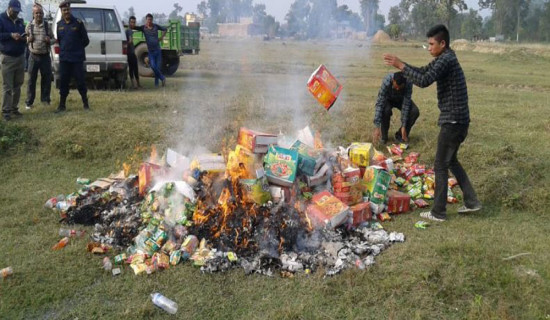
x: 272, y: 204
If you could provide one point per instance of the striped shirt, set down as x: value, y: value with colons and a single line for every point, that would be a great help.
x: 452, y: 94
x: 400, y: 99
x: 38, y: 46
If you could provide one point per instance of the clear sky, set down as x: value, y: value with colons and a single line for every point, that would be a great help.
x: 276, y: 8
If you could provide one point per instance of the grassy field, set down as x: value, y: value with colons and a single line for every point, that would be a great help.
x: 453, y: 270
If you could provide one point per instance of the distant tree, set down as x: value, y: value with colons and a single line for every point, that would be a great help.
x: 446, y: 10
x: 394, y: 30
x: 545, y: 22
x: 508, y: 15
x: 343, y: 13
x: 127, y: 14
x: 472, y: 24
x: 369, y: 9
x: 394, y: 16
x: 297, y: 17
x: 174, y: 15
x: 320, y: 18
x: 422, y: 17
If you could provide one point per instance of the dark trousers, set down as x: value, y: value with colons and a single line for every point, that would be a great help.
x: 450, y: 138
x: 155, y: 60
x: 386, y: 117
x: 68, y: 70
x: 42, y: 63
x: 133, y: 66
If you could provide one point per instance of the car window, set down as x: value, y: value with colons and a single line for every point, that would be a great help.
x: 111, y: 21
x: 92, y: 18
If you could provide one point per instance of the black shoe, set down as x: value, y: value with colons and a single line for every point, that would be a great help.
x: 16, y: 113
x: 6, y: 117
x: 398, y: 137
x: 383, y: 141
x: 59, y: 110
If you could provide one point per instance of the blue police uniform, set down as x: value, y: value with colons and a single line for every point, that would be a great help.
x: 73, y: 39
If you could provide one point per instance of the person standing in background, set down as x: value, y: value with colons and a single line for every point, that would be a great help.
x: 151, y: 32
x: 12, y: 59
x: 39, y: 38
x: 131, y: 54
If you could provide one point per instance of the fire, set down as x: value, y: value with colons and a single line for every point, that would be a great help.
x: 127, y: 168
x: 154, y: 156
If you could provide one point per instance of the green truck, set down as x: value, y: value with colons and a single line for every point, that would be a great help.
x: 179, y: 40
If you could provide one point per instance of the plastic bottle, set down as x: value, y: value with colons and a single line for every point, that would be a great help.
x: 164, y: 303
x: 61, y: 244
x: 62, y: 205
x: 71, y: 233
x: 6, y: 272
x: 107, y: 265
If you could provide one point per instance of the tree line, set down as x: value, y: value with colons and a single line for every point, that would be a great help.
x: 514, y: 20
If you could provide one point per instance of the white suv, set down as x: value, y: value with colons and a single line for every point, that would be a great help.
x: 106, y: 53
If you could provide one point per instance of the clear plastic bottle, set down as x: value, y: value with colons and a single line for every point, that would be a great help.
x: 164, y: 303
x: 71, y: 233
x: 6, y: 272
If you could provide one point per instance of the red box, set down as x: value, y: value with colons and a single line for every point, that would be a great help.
x: 147, y: 172
x: 361, y: 213
x: 398, y: 202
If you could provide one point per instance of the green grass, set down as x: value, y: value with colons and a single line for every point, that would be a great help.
x: 452, y: 270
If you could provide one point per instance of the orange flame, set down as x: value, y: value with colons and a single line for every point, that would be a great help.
x: 154, y: 156
x: 126, y: 168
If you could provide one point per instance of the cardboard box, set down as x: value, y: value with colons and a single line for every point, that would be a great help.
x: 256, y: 190
x: 398, y: 202
x: 320, y: 176
x: 280, y: 165
x: 361, y: 153
x: 377, y: 181
x: 309, y: 159
x: 361, y: 212
x: 146, y: 174
x: 324, y: 87
x: 255, y: 141
x: 327, y: 211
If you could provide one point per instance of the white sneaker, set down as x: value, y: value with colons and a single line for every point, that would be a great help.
x: 428, y: 215
x: 465, y: 209
x: 29, y: 107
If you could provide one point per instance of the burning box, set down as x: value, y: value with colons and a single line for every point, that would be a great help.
x: 324, y: 87
x: 327, y: 210
x: 244, y: 164
x: 376, y: 182
x: 255, y: 141
x: 211, y: 162
x: 361, y: 153
x: 361, y: 212
x: 309, y: 159
x: 398, y: 202
x: 280, y: 165
x: 146, y: 174
x: 256, y: 190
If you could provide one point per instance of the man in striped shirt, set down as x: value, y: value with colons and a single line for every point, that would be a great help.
x: 454, y: 117
x: 39, y: 40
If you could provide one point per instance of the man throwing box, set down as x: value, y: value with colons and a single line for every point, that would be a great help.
x: 38, y: 42
x: 395, y: 92
x: 73, y: 39
x: 454, y: 117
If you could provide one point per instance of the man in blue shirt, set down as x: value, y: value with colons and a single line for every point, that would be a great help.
x: 151, y: 32
x: 73, y: 39
x: 12, y: 49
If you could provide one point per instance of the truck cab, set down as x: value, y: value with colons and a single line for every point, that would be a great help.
x: 106, y: 53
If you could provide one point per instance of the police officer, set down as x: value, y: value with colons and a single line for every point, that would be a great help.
x: 73, y: 38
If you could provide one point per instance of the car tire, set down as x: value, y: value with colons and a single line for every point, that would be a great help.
x: 142, y: 54
x: 171, y: 66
